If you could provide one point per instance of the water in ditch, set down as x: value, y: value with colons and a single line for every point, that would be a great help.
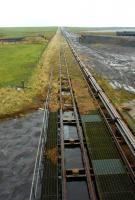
x: 70, y: 132
x: 73, y: 158
x: 77, y: 190
x: 18, y: 146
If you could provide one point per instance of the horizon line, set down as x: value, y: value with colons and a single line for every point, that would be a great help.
x: 42, y: 26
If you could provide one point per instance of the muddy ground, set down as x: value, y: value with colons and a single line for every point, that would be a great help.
x: 114, y: 61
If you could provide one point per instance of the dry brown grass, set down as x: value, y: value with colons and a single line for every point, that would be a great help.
x: 53, y: 105
x: 52, y: 155
x: 117, y: 96
x: 84, y: 100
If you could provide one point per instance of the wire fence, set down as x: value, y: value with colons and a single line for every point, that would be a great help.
x: 36, y: 185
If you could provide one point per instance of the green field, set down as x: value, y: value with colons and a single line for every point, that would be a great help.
x: 28, y: 59
x: 27, y: 31
x: 17, y: 62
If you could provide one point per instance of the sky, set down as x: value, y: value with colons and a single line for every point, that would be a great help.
x: 89, y: 13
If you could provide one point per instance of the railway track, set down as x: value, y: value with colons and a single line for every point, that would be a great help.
x: 66, y: 91
x: 79, y: 157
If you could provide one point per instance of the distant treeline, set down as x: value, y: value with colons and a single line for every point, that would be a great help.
x: 125, y: 33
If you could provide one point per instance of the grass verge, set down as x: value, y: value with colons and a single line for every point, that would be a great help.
x: 117, y: 97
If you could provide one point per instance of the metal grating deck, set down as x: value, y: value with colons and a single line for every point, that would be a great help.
x: 49, y: 181
x: 103, y: 153
x: 118, y: 196
x: 91, y: 118
x: 114, y: 186
x: 99, y: 141
x: 108, y: 166
x: 112, y: 180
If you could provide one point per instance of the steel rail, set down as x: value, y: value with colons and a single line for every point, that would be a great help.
x: 120, y: 124
x: 80, y: 134
x: 41, y: 144
x: 123, y: 156
x: 64, y: 189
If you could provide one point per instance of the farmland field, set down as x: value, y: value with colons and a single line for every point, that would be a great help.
x: 17, y: 62
x: 18, y: 59
x: 24, y: 31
